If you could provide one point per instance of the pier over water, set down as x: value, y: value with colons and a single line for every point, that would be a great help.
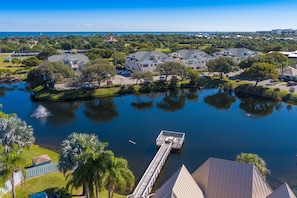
x: 167, y: 141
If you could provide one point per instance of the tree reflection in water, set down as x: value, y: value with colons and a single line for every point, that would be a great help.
x: 258, y: 107
x: 192, y: 94
x: 142, y: 105
x: 220, y: 100
x: 172, y: 101
x: 63, y: 112
x: 101, y: 110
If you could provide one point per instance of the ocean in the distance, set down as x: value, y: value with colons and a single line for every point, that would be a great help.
x: 53, y: 34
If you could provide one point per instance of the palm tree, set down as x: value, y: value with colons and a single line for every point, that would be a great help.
x: 13, y: 162
x: 118, y: 174
x: 79, y: 151
x: 254, y: 159
x: 81, y: 176
x: 15, y: 131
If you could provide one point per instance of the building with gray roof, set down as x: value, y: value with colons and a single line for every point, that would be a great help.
x: 219, y: 178
x: 237, y: 54
x: 75, y: 61
x: 194, y: 59
x: 144, y: 60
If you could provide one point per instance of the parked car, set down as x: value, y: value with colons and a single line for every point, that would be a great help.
x: 291, y: 83
x: 109, y: 82
x: 163, y: 78
x: 107, y: 75
x: 87, y: 85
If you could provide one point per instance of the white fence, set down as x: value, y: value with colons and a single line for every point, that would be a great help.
x: 31, y: 172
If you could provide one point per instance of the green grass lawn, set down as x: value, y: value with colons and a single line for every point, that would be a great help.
x: 7, y: 65
x: 35, y: 151
x: 164, y: 50
x: 50, y: 183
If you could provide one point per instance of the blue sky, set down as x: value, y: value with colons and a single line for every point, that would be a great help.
x: 147, y: 16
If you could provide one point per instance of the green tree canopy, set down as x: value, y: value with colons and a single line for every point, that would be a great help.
x: 246, y: 63
x: 11, y: 163
x: 117, y: 175
x: 78, y: 151
x: 31, y: 61
x: 47, y: 52
x: 16, y: 61
x: 48, y: 72
x: 95, y: 70
x: 15, y: 131
x: 172, y: 68
x: 261, y: 71
x: 145, y: 75
x: 254, y: 159
x: 194, y: 76
x: 221, y: 65
x: 96, y: 53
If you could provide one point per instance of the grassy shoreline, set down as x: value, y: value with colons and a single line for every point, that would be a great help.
x: 51, y: 183
x: 40, y: 94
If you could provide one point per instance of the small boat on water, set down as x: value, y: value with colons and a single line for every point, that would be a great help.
x: 132, y: 142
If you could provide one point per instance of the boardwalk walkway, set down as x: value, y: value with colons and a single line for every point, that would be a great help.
x: 167, y: 140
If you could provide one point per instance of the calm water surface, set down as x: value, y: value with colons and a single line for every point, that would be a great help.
x: 216, y: 125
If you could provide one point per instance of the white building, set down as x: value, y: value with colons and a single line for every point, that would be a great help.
x: 144, y: 60
x: 194, y: 59
x: 237, y: 54
x: 75, y: 61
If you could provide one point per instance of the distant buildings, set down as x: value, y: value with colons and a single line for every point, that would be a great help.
x: 194, y: 59
x: 237, y: 54
x: 110, y: 39
x: 279, y: 31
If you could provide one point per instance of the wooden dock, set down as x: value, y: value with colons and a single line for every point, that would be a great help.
x: 166, y: 140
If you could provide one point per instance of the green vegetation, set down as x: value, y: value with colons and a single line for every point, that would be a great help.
x: 255, y: 160
x: 35, y: 151
x: 52, y: 183
x: 221, y: 65
x: 96, y: 168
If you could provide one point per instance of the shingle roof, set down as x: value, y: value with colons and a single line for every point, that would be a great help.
x: 142, y: 55
x: 41, y: 159
x: 290, y: 71
x: 186, y: 54
x: 61, y: 58
x: 180, y: 185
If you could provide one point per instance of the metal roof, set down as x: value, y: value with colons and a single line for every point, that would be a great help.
x: 230, y: 179
x: 180, y: 185
x: 284, y: 191
x: 219, y: 178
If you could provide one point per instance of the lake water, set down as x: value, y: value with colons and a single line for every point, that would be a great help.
x: 216, y: 125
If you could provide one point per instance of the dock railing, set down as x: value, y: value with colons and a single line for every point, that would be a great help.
x: 166, y: 140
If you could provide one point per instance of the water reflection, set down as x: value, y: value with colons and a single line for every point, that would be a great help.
x: 220, y: 100
x: 2, y: 91
x: 101, y: 110
x: 172, y: 101
x: 258, y: 107
x: 192, y: 94
x: 142, y: 105
x: 64, y: 112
